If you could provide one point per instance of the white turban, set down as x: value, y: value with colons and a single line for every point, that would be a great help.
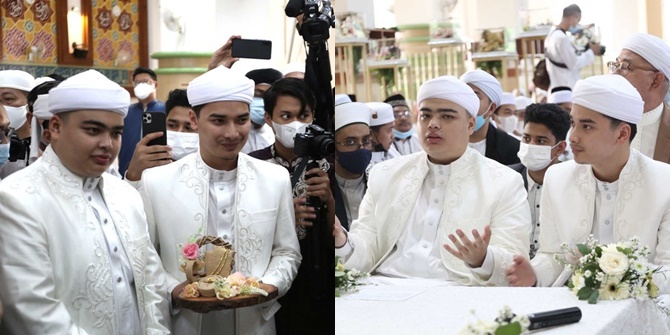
x: 40, y: 112
x: 293, y: 67
x: 610, y: 95
x: 380, y: 113
x: 653, y: 49
x: 341, y: 99
x: 42, y: 80
x: 41, y: 107
x: 507, y: 99
x: 17, y: 79
x: 220, y: 84
x: 485, y: 82
x: 350, y: 113
x: 522, y: 102
x: 560, y: 97
x: 452, y: 89
x: 89, y: 90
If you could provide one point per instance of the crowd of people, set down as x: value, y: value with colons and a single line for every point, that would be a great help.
x: 470, y: 184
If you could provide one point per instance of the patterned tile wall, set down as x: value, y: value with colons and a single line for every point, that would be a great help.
x: 115, y: 33
x: 32, y: 27
x: 120, y: 76
x: 29, y: 31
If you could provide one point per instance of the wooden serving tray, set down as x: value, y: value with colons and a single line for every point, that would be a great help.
x: 206, y: 305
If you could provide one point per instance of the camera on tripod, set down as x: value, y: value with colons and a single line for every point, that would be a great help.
x: 315, y: 24
x: 315, y: 142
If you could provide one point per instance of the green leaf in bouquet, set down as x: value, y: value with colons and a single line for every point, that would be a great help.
x: 509, y: 329
x: 625, y: 251
x: 585, y: 250
x: 585, y: 292
x: 599, y: 251
x: 594, y: 297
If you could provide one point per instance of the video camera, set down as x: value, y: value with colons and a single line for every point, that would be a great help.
x: 315, y: 142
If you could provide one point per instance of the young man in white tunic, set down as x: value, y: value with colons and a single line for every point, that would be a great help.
x: 419, y: 210
x: 75, y: 252
x: 644, y: 62
x: 612, y: 191
x: 381, y: 130
x: 228, y: 194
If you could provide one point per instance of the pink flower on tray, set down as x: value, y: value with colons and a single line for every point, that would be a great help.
x: 236, y: 279
x: 190, y: 251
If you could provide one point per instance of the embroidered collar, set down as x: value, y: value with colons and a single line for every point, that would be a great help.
x: 281, y: 161
x: 55, y: 167
x: 90, y: 184
x: 651, y: 116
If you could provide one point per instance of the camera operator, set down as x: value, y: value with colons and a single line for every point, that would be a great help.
x: 289, y: 109
x: 564, y: 61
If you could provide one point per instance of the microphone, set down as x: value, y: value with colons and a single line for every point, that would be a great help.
x: 554, y: 318
x: 293, y: 8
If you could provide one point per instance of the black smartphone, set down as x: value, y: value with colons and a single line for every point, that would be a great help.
x: 153, y: 122
x: 258, y: 49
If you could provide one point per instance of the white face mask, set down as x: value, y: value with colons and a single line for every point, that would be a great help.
x: 182, y: 144
x: 143, y: 90
x: 17, y: 116
x: 519, y: 127
x: 535, y: 157
x: 507, y: 123
x: 286, y: 132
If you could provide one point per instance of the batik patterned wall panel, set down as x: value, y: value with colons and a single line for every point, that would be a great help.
x: 29, y: 31
x: 116, y: 33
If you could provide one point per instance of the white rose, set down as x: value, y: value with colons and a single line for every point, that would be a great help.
x: 613, y: 263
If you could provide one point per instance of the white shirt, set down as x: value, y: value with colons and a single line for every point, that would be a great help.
x: 534, y: 193
x: 647, y: 131
x: 258, y: 139
x: 559, y: 48
x: 353, y: 191
x: 603, y: 220
x: 220, y: 223
x: 125, y: 301
x: 479, y: 146
x: 417, y: 252
x: 408, y: 146
x: 380, y: 156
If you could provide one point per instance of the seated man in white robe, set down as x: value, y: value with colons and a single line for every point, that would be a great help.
x: 227, y: 194
x: 381, y: 130
x: 405, y: 141
x: 612, y: 191
x: 418, y: 208
x: 75, y: 251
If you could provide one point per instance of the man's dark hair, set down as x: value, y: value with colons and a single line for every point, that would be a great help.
x: 40, y: 89
x: 616, y: 122
x: 176, y: 97
x: 551, y: 116
x: 148, y: 71
x: 571, y: 10
x: 293, y: 87
x: 264, y: 76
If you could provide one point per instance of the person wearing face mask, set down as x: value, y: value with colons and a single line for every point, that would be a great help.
x: 353, y: 152
x: 245, y: 201
x: 14, y: 88
x: 418, y: 208
x: 289, y: 109
x: 563, y: 60
x: 260, y: 135
x: 403, y: 127
x: 4, y: 137
x: 543, y: 141
x: 144, y: 83
x: 504, y: 114
x: 491, y: 142
x: 381, y: 130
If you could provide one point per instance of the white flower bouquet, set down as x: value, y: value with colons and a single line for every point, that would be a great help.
x: 614, y: 271
x: 505, y: 324
x: 346, y: 280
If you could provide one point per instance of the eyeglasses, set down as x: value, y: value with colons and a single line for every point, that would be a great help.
x: 625, y: 67
x: 401, y: 114
x: 350, y: 142
x: 148, y: 81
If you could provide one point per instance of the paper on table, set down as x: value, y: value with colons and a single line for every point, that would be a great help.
x: 385, y: 293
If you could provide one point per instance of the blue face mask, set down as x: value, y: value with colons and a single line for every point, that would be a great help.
x: 355, y: 161
x: 480, y: 119
x: 257, y: 111
x: 4, y: 153
x: 573, y: 30
x: 403, y: 134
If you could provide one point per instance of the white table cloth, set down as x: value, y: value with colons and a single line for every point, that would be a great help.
x: 408, y: 306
